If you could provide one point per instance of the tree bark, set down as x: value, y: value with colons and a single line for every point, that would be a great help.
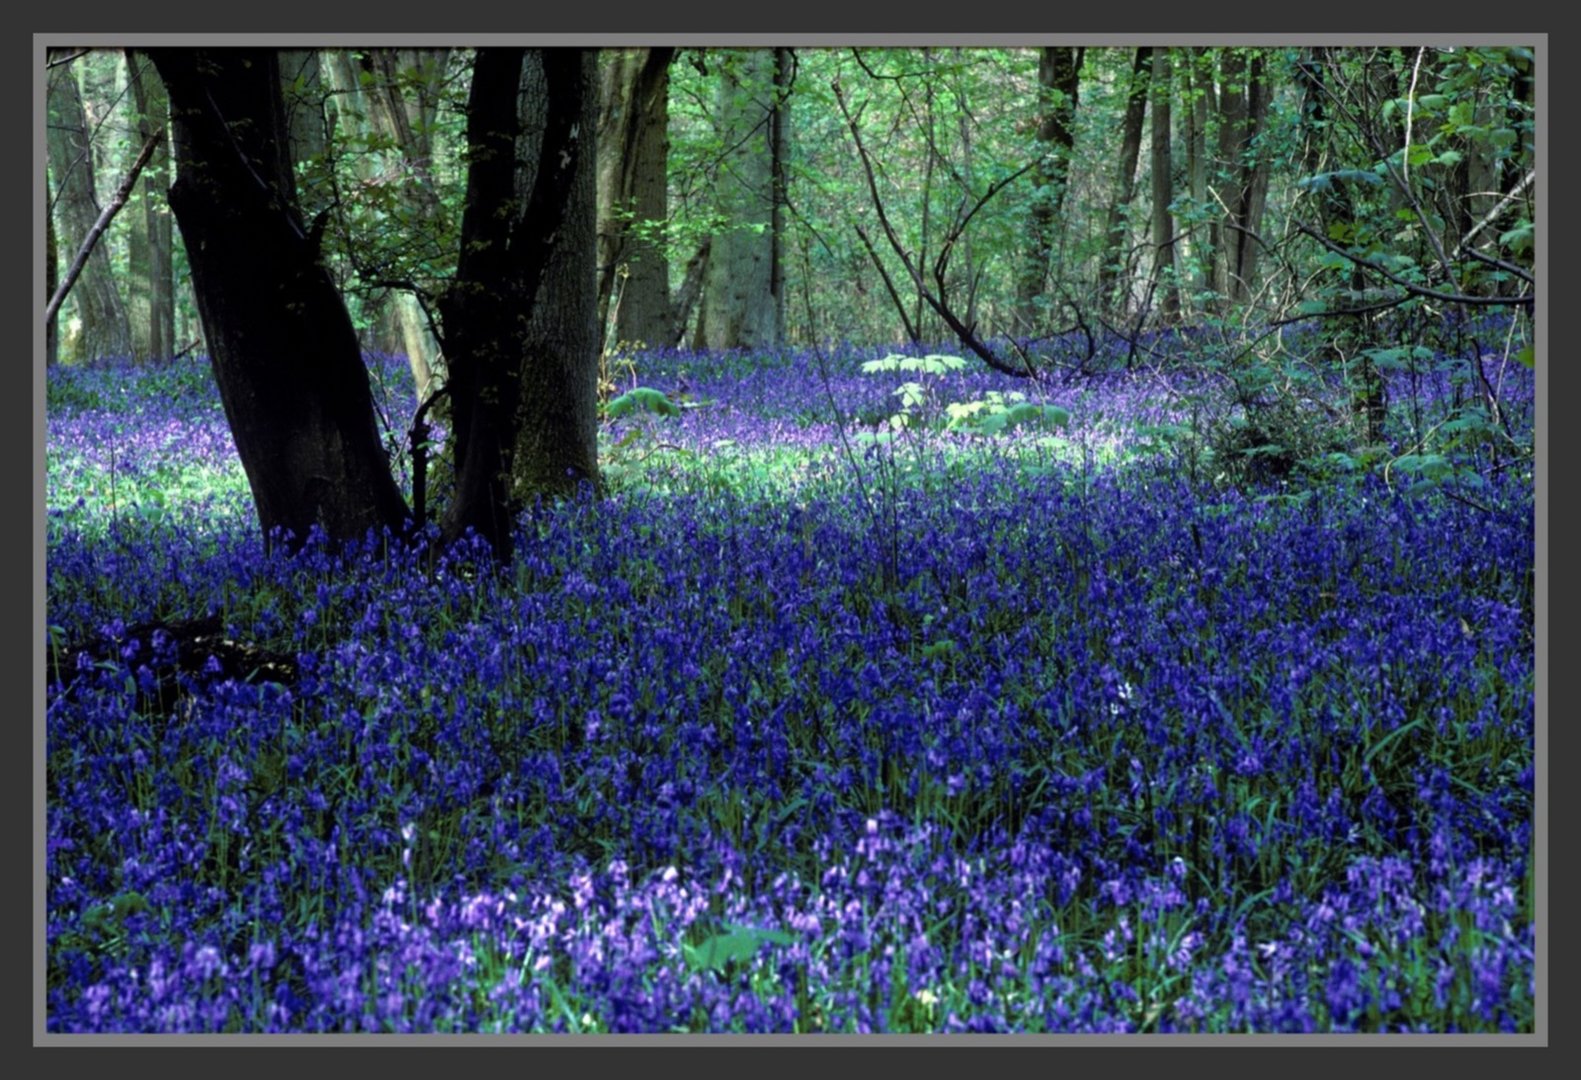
x: 51, y: 278
x: 283, y: 349
x: 529, y: 201
x: 633, y: 156
x: 1163, y: 187
x: 105, y: 329
x: 1059, y: 74
x: 152, y: 285
x: 1197, y: 165
x: 557, y: 437
x: 1242, y: 172
x: 1111, y: 274
x: 779, y: 151
x: 738, y: 304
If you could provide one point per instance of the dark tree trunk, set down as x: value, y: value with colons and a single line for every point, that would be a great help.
x: 529, y: 194
x: 152, y: 286
x: 51, y: 278
x: 284, y: 352
x: 1059, y: 74
x: 557, y: 435
x: 779, y: 150
x: 1110, y: 271
x: 1163, y: 187
x: 105, y: 328
x: 1202, y: 238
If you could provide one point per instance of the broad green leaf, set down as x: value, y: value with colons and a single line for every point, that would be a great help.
x: 642, y: 399
x: 738, y: 943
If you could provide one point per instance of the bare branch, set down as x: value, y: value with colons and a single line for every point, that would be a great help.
x: 117, y: 201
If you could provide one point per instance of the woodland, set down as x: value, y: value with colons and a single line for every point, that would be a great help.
x: 790, y: 540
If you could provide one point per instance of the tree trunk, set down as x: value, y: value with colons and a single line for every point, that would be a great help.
x: 1197, y: 167
x: 529, y: 203
x: 633, y: 194
x: 1243, y: 172
x: 152, y: 285
x: 1110, y: 269
x: 1163, y: 188
x: 738, y: 304
x: 779, y: 150
x: 105, y: 330
x: 284, y: 353
x: 51, y: 278
x: 557, y: 438
x: 1059, y: 72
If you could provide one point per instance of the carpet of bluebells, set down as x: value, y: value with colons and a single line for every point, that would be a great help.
x: 807, y: 726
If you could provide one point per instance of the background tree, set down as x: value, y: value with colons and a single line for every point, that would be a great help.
x: 1111, y: 269
x: 150, y: 272
x: 633, y: 195
x: 1241, y: 188
x: 104, y: 329
x: 1163, y: 174
x: 738, y: 304
x: 1059, y: 74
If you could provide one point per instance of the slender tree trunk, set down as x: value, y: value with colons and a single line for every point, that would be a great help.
x: 1254, y: 172
x: 284, y: 353
x: 1197, y: 165
x: 1163, y: 188
x: 738, y: 304
x: 1059, y: 73
x: 152, y: 285
x: 106, y: 331
x: 51, y: 277
x: 1110, y: 270
x: 779, y: 148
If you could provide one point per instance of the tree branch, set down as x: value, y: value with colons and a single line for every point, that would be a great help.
x: 122, y: 193
x: 1414, y: 289
x: 963, y: 332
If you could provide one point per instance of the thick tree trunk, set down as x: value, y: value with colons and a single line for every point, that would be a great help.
x: 1110, y: 270
x: 557, y: 437
x: 738, y: 304
x: 528, y: 217
x: 152, y: 286
x: 1163, y: 187
x: 1059, y: 73
x: 633, y: 155
x: 284, y: 352
x: 106, y: 330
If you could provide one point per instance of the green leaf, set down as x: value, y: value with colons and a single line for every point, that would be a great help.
x: 1527, y: 357
x: 738, y: 944
x: 642, y: 399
